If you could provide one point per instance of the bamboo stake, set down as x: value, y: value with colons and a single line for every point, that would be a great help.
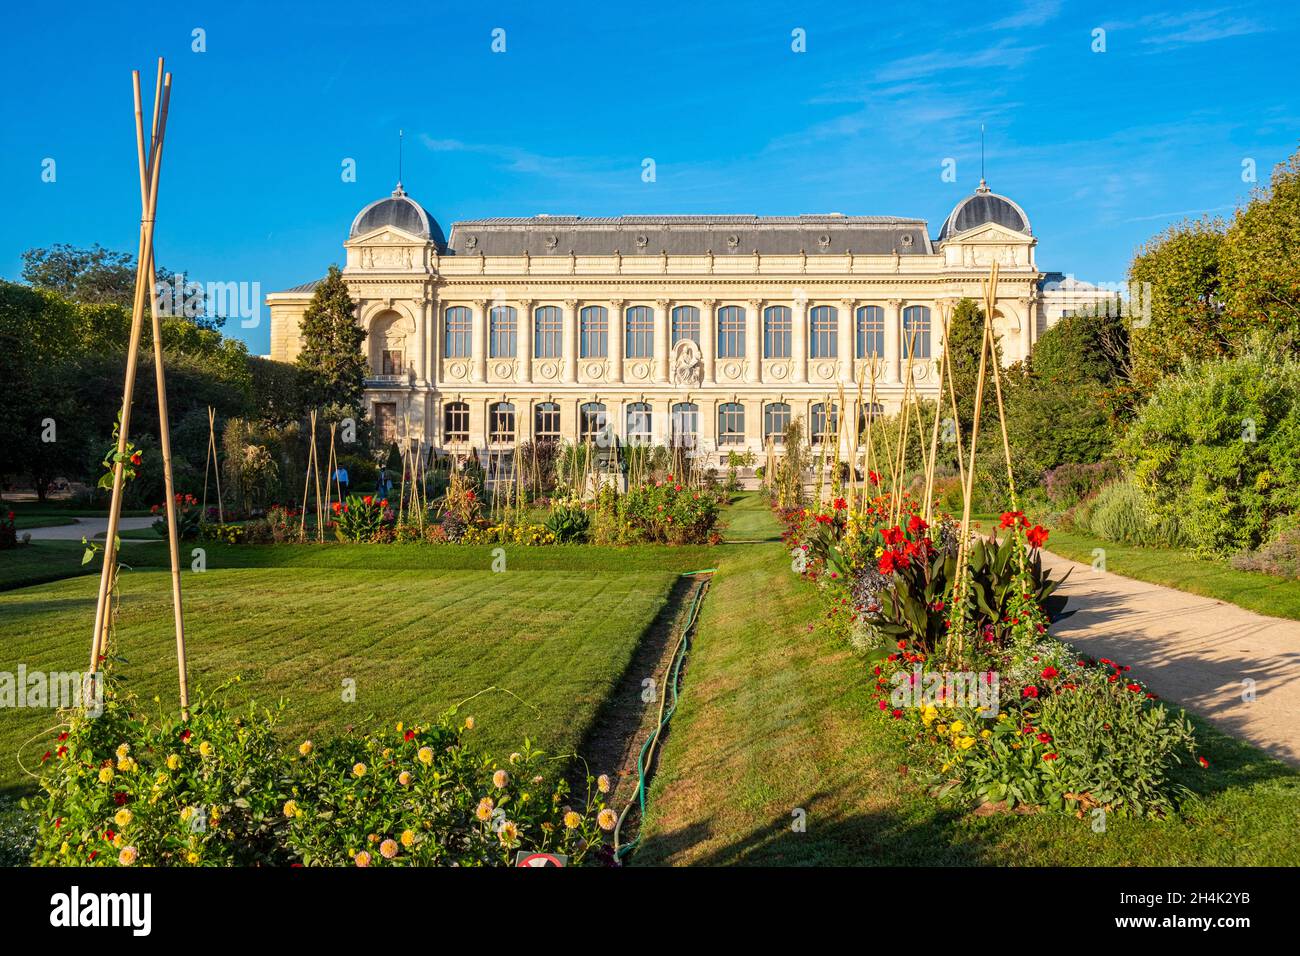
x: 938, y: 408
x: 100, y: 634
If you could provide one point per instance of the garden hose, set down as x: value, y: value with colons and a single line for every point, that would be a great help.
x: 652, y: 742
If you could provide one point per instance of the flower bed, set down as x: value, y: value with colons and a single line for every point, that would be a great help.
x: 993, y: 708
x: 134, y: 788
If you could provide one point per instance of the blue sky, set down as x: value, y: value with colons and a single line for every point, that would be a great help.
x: 1101, y: 149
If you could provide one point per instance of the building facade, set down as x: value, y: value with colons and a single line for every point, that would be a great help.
x: 714, y: 331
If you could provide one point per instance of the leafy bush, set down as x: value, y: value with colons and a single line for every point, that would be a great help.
x: 226, y: 533
x: 360, y: 518
x: 1281, y: 556
x: 188, y: 518
x: 508, y: 533
x: 8, y: 532
x: 1217, y: 449
x: 1068, y: 484
x: 568, y: 520
x: 671, y: 512
x: 1119, y: 512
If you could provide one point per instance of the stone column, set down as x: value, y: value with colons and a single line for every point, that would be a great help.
x: 569, y: 342
x: 708, y: 338
x: 433, y: 353
x: 663, y: 326
x: 478, y: 342
x: 754, y: 343
x: 524, y: 342
x: 893, y: 341
x: 1026, y: 327
x: 845, y: 343
x: 615, y: 341
x: 799, y: 340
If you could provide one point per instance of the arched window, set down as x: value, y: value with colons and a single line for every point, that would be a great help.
x: 822, y: 422
x: 546, y: 422
x: 458, y: 332
x: 777, y: 323
x: 686, y: 324
x: 870, y: 332
x: 592, y: 425
x: 455, y: 421
x: 501, y: 423
x: 824, y: 325
x: 731, y: 332
x: 916, y: 324
x: 776, y: 418
x: 548, y: 328
x: 502, y: 324
x: 639, y: 420
x: 639, y: 325
x: 593, y: 327
x: 731, y: 423
x: 868, y: 410
x: 685, y: 424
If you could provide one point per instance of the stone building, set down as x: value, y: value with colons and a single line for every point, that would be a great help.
x: 710, y: 330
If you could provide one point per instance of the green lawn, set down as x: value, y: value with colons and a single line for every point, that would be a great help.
x: 417, y: 628
x: 775, y: 718
x: 1213, y: 578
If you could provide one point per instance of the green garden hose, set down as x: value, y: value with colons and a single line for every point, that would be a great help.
x: 652, y: 742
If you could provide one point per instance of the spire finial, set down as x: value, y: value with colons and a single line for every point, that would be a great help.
x: 399, y: 191
x: 984, y: 186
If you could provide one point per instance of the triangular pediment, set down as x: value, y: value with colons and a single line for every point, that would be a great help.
x: 387, y: 236
x: 990, y: 232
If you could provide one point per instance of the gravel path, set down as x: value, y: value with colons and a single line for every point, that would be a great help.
x: 87, y: 527
x: 1195, y: 650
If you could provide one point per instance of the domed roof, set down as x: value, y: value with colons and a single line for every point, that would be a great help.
x: 984, y: 206
x: 401, y: 212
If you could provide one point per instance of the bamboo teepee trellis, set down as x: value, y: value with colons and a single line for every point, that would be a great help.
x: 150, y: 167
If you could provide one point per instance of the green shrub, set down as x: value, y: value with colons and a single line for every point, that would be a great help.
x: 1120, y: 512
x: 1281, y: 556
x: 568, y: 520
x: 1217, y: 449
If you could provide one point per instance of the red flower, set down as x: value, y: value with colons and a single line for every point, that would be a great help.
x: 873, y: 477
x: 109, y: 835
x: 1030, y: 691
x: 1037, y: 536
x: 1049, y: 756
x: 119, y: 798
x: 916, y: 524
x: 1044, y: 738
x: 897, y: 714
x: 1203, y: 762
x: 839, y: 504
x: 409, y: 735
x: 1135, y: 688
x: 1009, y: 518
x: 368, y: 500
x: 892, y: 535
x: 383, y: 503
x: 886, y: 565
x: 186, y: 734
x: 1049, y: 672
x: 136, y: 459
x: 883, y: 705
x: 469, y: 495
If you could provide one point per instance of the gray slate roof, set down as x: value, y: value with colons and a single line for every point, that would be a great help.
x: 690, y: 235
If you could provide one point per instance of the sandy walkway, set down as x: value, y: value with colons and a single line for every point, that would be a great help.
x: 1191, y: 649
x: 86, y: 527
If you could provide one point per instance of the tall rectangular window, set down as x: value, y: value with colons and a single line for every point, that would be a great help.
x: 686, y: 324
x: 731, y: 424
x: 458, y: 331
x: 776, y: 419
x: 548, y: 332
x: 502, y: 326
x: 916, y: 331
x: 777, y: 323
x: 870, y: 332
x: 391, y: 362
x: 824, y: 326
x: 639, y: 326
x: 593, y: 328
x: 731, y: 332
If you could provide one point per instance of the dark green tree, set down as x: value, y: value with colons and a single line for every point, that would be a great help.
x: 331, y: 360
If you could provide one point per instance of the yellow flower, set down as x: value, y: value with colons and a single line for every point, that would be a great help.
x: 105, y: 774
x: 986, y: 734
x: 942, y: 728
x: 500, y: 779
x: 187, y: 812
x: 399, y: 726
x: 362, y: 859
x: 192, y: 857
x: 173, y: 761
x: 965, y: 742
x: 388, y: 849
x: 291, y: 809
x: 122, y: 751
x: 123, y: 817
x: 205, y: 749
x: 425, y: 755
x: 957, y: 727
x: 128, y: 856
x: 602, y: 783
x: 572, y: 820
x: 404, y: 778
x: 126, y: 764
x: 304, y: 748
x: 929, y: 714
x: 516, y: 757
x: 358, y: 770
x: 408, y: 838
x: 607, y: 819
x: 508, y: 834
x: 469, y: 723
x: 485, y: 807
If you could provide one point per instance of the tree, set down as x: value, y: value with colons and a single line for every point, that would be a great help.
x: 100, y: 276
x: 331, y: 360
x: 963, y: 344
